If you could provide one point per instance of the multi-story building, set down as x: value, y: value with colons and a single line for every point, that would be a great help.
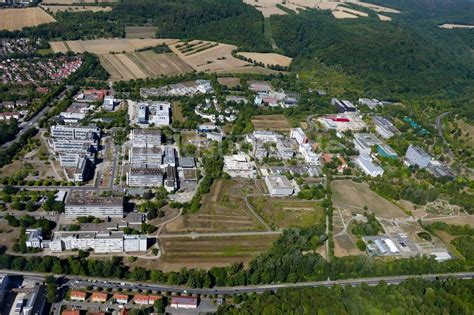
x: 156, y: 113
x: 299, y: 135
x: 170, y: 157
x: 417, y: 156
x: 34, y: 238
x: 279, y: 185
x: 286, y: 148
x: 309, y: 156
x: 343, y: 105
x: 386, y: 151
x: 364, y: 142
x: 75, y: 132
x: 384, y: 127
x: 100, y: 242
x: 145, y: 177
x: 146, y: 157
x: 143, y: 138
x: 4, y: 281
x: 369, y: 168
x: 82, y: 203
x: 171, y: 181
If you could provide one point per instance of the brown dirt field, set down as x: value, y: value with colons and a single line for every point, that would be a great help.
x: 119, y: 67
x: 75, y: 8
x: 466, y: 219
x: 117, y: 45
x: 355, y: 196
x: 16, y: 19
x: 156, y: 65
x: 177, y: 113
x: 59, y: 47
x: 208, y: 252
x: 8, y: 235
x: 222, y: 210
x: 345, y: 246
x: 268, y: 58
x: 140, y: 32
x: 229, y: 82
x: 271, y: 122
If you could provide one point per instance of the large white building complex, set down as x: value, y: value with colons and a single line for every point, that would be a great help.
x: 100, y: 242
x: 369, y: 168
x: 279, y: 185
x: 87, y: 203
x: 384, y: 127
x: 364, y: 142
x: 153, y: 113
x: 417, y: 156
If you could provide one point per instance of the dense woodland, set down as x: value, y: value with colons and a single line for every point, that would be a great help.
x: 412, y: 297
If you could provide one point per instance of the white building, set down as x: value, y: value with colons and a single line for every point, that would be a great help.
x: 215, y: 136
x: 266, y: 136
x: 308, y: 154
x: 145, y: 177
x: 384, y: 127
x: 143, y: 138
x: 239, y: 165
x: 81, y: 204
x: 364, y: 142
x: 156, y: 113
x: 34, y: 238
x: 75, y: 132
x: 417, y: 156
x: 299, y: 135
x: 369, y: 168
x: 184, y: 302
x: 279, y: 185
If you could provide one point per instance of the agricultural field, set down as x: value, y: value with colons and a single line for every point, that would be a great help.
x: 17, y: 19
x: 140, y: 65
x: 107, y: 46
x: 140, y: 32
x: 213, y: 57
x: 276, y: 122
x: 287, y: 212
x: 229, y: 82
x: 75, y: 8
x: 355, y: 196
x: 70, y: 2
x: 452, y: 26
x: 177, y: 112
x: 208, y: 252
x: 222, y: 210
x: 267, y: 58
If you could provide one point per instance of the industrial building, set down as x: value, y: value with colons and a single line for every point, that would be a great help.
x: 279, y: 185
x: 343, y: 105
x: 100, y: 242
x: 417, y: 156
x: 151, y: 157
x: 87, y: 203
x: 369, y: 168
x: 364, y: 142
x: 384, y: 127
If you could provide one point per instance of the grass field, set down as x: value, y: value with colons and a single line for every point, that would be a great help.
x: 222, y: 210
x: 287, y: 212
x: 208, y: 252
x: 140, y: 65
x: 177, y: 113
x: 268, y: 58
x: 229, y: 82
x: 346, y: 193
x: 75, y: 8
x: 140, y: 32
x: 344, y: 246
x: 17, y: 19
x: 106, y: 46
x: 271, y: 122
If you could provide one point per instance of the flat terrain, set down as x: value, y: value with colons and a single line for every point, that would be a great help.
x: 229, y: 82
x: 451, y: 26
x: 268, y: 58
x: 8, y: 235
x: 460, y: 220
x: 69, y: 2
x: 17, y: 19
x: 106, y: 46
x: 222, y: 210
x: 177, y: 113
x: 271, y: 122
x: 140, y: 65
x: 75, y: 8
x: 208, y: 252
x: 354, y: 196
x: 140, y: 32
x: 344, y: 246
x: 287, y: 212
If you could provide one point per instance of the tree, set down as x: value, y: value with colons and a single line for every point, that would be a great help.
x: 51, y: 289
x: 160, y: 305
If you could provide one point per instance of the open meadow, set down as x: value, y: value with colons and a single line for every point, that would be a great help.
x: 140, y: 31
x: 17, y: 19
x: 276, y: 122
x: 268, y: 59
x: 287, y: 212
x: 222, y: 210
x: 355, y: 196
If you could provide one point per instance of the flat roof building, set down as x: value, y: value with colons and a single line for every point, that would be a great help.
x: 386, y: 151
x: 82, y: 203
x: 364, y: 142
x: 279, y: 185
x: 369, y: 168
x: 343, y: 105
x: 384, y: 127
x: 417, y: 156
x: 186, y: 302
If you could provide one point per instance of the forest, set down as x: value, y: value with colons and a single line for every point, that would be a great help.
x: 414, y: 296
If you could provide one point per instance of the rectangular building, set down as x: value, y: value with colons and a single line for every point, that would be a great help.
x: 364, y: 142
x: 75, y: 132
x: 384, y: 127
x: 279, y: 185
x: 369, y: 168
x: 81, y: 203
x: 186, y: 302
x: 386, y: 151
x: 417, y: 156
x: 343, y: 105
x: 299, y: 135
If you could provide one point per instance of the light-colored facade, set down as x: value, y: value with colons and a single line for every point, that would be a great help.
x: 74, y: 132
x: 299, y: 135
x: 309, y: 156
x: 279, y: 185
x: 369, y: 168
x: 364, y: 142
x: 80, y: 204
x: 417, y: 156
x: 145, y: 177
x: 34, y: 238
x: 384, y: 127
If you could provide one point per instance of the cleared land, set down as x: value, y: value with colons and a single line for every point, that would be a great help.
x: 287, y: 212
x: 222, y: 210
x: 208, y: 252
x: 213, y: 57
x: 17, y: 19
x: 69, y: 2
x: 344, y: 246
x: 355, y: 196
x: 145, y: 64
x: 451, y: 26
x: 107, y: 46
x: 229, y: 82
x: 140, y: 32
x: 75, y: 8
x: 268, y: 58
x: 271, y: 122
x: 177, y: 113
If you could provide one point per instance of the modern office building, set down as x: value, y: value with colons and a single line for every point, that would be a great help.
x: 87, y: 203
x: 386, y: 151
x: 417, y: 156
x: 299, y: 135
x: 75, y: 132
x: 145, y: 138
x: 369, y: 168
x: 34, y: 238
x: 156, y: 113
x: 279, y: 185
x: 364, y: 142
x: 145, y: 177
x: 343, y: 105
x: 384, y: 127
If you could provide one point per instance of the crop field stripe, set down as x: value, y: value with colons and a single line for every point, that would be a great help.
x: 122, y: 66
x: 134, y: 57
x: 110, y: 68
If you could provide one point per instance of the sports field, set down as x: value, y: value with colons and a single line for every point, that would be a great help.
x: 271, y: 122
x: 222, y: 210
x: 140, y: 65
x: 17, y: 19
x: 355, y: 196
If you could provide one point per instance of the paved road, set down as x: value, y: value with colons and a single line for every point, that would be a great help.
x: 197, y: 235
x: 81, y: 282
